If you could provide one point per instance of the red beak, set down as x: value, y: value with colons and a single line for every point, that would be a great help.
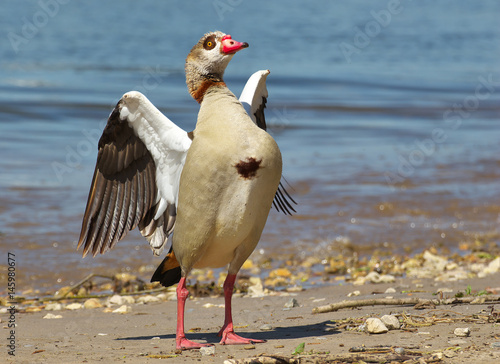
x: 230, y: 46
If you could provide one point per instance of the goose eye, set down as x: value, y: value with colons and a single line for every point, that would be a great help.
x: 209, y: 43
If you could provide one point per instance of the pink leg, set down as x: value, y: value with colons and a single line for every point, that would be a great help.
x: 180, y: 338
x: 227, y: 331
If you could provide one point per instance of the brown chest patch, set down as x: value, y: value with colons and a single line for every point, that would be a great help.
x: 248, y: 169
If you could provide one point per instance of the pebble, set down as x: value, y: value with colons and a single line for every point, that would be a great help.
x: 92, y: 303
x: 266, y: 327
x: 280, y: 272
x: 292, y: 303
x: 207, y: 350
x: 374, y: 277
x: 115, y: 300
x: 249, y: 347
x: 391, y: 322
x: 354, y: 293
x: 390, y: 290
x: 128, y: 299
x: 295, y: 288
x: 123, y: 309
x: 162, y: 296
x: 119, y: 300
x: 52, y: 316
x: 53, y: 307
x: 147, y: 299
x: 209, y: 305
x: 256, y: 289
x: 74, y: 306
x: 434, y: 261
x: 495, y: 345
x: 400, y: 351
x: 493, y: 267
x: 63, y: 292
x: 462, y: 332
x: 375, y: 326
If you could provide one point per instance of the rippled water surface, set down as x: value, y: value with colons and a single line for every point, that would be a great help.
x: 387, y: 118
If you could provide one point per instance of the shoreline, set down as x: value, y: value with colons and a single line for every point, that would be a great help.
x: 145, y: 331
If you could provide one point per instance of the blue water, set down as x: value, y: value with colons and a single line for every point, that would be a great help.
x: 389, y: 128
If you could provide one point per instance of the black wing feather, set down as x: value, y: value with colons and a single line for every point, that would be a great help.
x: 123, y: 191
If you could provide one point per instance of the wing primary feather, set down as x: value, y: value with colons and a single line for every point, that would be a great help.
x: 100, y: 221
x: 282, y: 200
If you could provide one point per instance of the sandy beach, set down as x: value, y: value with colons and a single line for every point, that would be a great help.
x: 146, y: 333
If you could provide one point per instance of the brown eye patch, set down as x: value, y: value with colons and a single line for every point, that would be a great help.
x: 209, y: 43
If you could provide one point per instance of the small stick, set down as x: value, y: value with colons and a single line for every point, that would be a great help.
x: 403, y: 302
x: 83, y: 281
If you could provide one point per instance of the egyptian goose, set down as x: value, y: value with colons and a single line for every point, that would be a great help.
x: 207, y: 192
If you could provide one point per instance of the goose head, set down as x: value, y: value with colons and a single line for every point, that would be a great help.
x: 208, y: 60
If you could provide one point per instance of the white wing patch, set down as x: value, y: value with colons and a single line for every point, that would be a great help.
x: 167, y: 143
x: 254, y: 91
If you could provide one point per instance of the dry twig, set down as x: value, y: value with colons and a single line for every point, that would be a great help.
x: 405, y: 302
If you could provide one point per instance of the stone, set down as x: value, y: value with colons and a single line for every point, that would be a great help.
x: 462, y: 332
x: 207, y: 350
x: 74, y: 306
x: 147, y: 299
x: 390, y: 290
x: 280, y: 272
x: 115, y: 300
x: 434, y: 261
x: 266, y: 327
x: 92, y: 303
x: 375, y: 326
x: 50, y: 316
x: 162, y: 296
x: 295, y: 288
x: 128, y: 300
x: 256, y: 289
x: 400, y: 351
x: 353, y: 293
x: 375, y: 277
x: 391, y: 322
x: 63, y: 292
x: 123, y: 309
x: 493, y: 267
x: 292, y: 303
x: 53, y: 307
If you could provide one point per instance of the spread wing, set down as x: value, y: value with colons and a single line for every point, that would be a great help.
x: 254, y: 99
x: 136, y: 178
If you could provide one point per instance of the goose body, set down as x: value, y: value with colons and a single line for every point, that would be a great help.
x: 235, y: 168
x: 208, y: 192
